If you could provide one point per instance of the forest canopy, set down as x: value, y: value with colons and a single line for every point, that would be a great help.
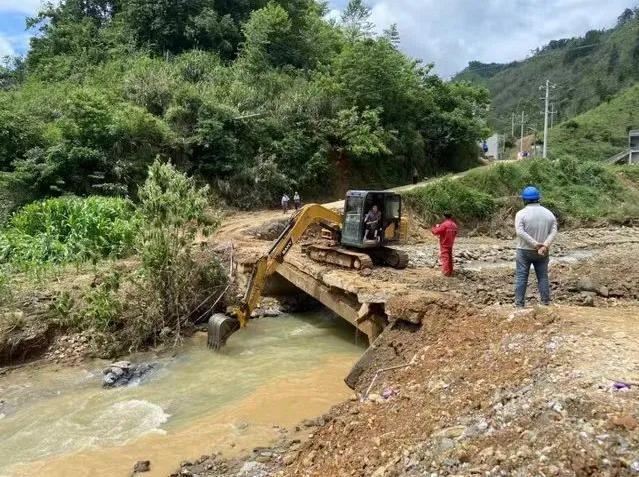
x: 253, y: 97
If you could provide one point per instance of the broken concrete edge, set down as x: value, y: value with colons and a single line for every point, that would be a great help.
x: 365, y: 360
x: 412, y: 309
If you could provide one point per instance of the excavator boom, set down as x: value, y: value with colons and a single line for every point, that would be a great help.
x: 220, y: 327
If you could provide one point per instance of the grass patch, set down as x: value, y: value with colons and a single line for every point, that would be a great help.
x: 628, y: 173
x: 598, y: 133
x: 450, y: 196
x: 578, y: 192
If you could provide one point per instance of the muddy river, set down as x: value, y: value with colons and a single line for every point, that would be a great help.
x: 57, y: 421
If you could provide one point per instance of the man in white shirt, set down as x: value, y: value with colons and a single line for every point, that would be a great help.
x: 285, y: 201
x: 536, y: 229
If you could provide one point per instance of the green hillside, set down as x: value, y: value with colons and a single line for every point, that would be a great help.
x: 253, y: 97
x: 587, y: 71
x: 601, y: 132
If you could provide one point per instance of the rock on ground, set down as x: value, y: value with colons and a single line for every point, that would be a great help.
x: 142, y: 466
x: 122, y: 373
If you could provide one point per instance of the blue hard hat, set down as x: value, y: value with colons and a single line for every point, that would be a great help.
x: 531, y: 193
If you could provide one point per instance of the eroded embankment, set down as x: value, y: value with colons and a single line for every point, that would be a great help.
x: 490, y: 392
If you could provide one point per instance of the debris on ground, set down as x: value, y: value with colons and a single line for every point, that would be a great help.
x: 141, y: 466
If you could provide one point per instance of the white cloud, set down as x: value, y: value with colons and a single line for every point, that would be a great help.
x: 13, y: 44
x: 5, y: 47
x: 334, y: 15
x: 28, y: 7
x: 451, y: 33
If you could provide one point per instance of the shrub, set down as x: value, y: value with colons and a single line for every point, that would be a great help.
x: 173, y: 209
x: 450, y: 196
x: 69, y: 229
x: 576, y: 191
x: 5, y: 289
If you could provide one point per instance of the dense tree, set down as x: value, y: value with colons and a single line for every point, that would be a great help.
x: 254, y: 97
x: 626, y: 16
x: 392, y: 34
x: 178, y: 25
x: 356, y: 19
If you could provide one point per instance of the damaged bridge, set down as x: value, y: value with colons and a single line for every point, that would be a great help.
x: 368, y: 317
x: 366, y: 302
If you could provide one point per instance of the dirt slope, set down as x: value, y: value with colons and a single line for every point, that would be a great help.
x: 490, y: 392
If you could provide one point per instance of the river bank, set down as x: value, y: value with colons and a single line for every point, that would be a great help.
x: 487, y: 392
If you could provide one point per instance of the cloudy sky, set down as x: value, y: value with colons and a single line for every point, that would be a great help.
x: 449, y: 33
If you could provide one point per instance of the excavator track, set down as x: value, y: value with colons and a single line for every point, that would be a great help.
x: 339, y: 256
x: 395, y: 258
x: 390, y: 257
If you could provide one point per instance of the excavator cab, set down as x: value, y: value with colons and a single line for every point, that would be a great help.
x: 390, y: 228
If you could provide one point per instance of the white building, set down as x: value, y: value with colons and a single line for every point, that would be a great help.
x: 495, y: 145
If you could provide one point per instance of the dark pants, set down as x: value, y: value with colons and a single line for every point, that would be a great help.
x: 298, y: 204
x: 370, y: 231
x: 526, y: 258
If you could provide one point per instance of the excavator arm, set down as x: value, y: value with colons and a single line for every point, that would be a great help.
x: 222, y: 326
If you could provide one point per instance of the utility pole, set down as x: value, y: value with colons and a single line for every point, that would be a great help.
x: 547, y: 101
x: 512, y: 131
x: 553, y: 112
x: 521, y: 142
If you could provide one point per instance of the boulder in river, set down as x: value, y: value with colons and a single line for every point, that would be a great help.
x: 142, y: 466
x: 122, y: 373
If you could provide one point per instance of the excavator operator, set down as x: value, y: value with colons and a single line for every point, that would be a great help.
x: 372, y: 222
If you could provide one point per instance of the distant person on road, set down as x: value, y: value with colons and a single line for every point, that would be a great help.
x: 415, y: 175
x: 447, y: 233
x: 285, y: 200
x: 371, y: 221
x: 297, y: 200
x: 536, y: 229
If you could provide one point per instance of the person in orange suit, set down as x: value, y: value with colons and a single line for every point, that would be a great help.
x: 447, y: 233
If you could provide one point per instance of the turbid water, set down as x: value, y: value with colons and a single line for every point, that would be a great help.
x: 60, y: 422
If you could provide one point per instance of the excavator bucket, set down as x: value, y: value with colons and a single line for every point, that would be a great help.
x: 219, y: 329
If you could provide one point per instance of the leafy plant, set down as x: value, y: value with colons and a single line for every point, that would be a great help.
x: 103, y: 307
x: 5, y: 286
x: 173, y: 209
x: 69, y: 229
x: 450, y: 196
x: 228, y: 90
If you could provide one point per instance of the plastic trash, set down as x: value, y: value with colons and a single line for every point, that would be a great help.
x: 619, y: 386
x: 388, y: 393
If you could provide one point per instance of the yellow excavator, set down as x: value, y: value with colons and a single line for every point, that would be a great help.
x: 354, y: 244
